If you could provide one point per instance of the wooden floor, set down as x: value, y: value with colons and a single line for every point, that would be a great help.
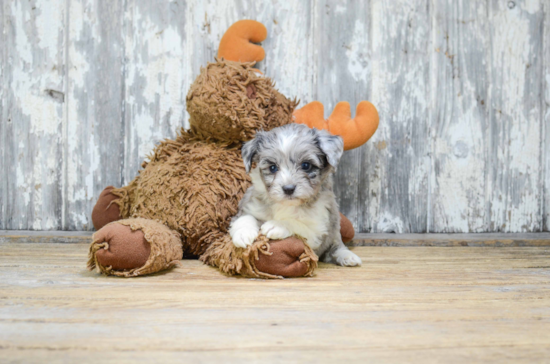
x: 406, y: 304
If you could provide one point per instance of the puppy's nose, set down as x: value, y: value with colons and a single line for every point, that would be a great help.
x: 289, y: 189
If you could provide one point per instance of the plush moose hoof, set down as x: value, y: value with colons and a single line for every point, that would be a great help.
x: 125, y: 249
x: 105, y: 209
x: 265, y: 258
x: 286, y: 259
x: 134, y: 247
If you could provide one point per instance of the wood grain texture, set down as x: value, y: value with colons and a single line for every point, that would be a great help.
x: 545, y: 134
x: 460, y: 118
x: 154, y: 39
x: 398, y: 183
x: 95, y: 106
x: 404, y: 305
x: 3, y: 139
x: 515, y: 100
x: 89, y: 87
x: 342, y: 73
x: 34, y: 113
x: 291, y: 45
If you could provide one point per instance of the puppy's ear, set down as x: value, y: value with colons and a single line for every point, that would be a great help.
x: 331, y: 145
x: 249, y: 150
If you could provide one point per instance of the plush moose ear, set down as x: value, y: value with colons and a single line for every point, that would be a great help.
x: 249, y: 150
x: 331, y: 145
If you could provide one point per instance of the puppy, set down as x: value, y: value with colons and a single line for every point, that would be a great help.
x: 291, y: 191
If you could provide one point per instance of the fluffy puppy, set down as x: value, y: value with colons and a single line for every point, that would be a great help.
x: 291, y: 191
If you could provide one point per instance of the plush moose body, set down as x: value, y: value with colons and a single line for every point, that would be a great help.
x: 181, y: 203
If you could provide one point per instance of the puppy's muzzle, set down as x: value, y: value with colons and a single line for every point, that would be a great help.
x: 289, y: 189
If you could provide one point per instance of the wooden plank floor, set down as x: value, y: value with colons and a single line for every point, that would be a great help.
x: 406, y: 304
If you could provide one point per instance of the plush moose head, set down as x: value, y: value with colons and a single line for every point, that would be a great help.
x: 229, y: 101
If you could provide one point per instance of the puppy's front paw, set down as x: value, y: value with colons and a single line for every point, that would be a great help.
x: 346, y: 258
x: 274, y: 230
x: 244, y: 237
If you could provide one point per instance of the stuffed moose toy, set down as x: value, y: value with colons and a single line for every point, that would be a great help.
x: 181, y: 203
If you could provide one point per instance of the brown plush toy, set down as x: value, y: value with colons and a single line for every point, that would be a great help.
x: 181, y: 203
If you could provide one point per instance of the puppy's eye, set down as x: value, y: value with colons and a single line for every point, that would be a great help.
x: 273, y: 168
x: 306, y: 166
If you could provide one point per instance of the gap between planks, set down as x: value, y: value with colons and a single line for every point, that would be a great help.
x: 396, y: 240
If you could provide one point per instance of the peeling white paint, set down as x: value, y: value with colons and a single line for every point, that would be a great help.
x: 34, y: 112
x: 356, y: 52
x: 22, y: 43
x: 459, y: 147
x: 155, y: 96
x: 23, y: 186
x: 518, y: 151
x: 340, y: 9
x: 79, y: 69
x: 388, y: 223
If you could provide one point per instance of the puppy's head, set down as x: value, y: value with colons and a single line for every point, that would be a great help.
x: 293, y: 161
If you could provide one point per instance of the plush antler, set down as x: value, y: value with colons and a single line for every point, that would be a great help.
x: 355, y: 132
x: 237, y: 42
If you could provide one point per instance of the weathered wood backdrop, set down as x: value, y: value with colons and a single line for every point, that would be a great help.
x: 463, y: 90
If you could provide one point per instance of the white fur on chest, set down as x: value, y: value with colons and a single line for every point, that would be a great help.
x: 310, y: 222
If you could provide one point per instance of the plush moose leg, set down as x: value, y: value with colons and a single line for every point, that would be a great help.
x: 263, y: 259
x: 105, y: 209
x: 346, y: 229
x: 134, y: 247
